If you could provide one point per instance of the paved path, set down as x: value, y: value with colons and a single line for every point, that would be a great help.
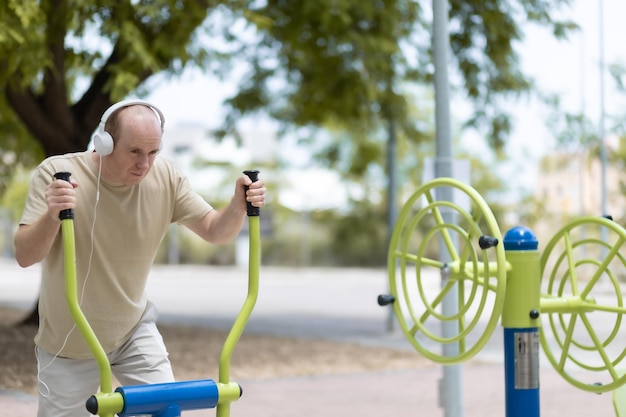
x: 333, y: 304
x: 405, y: 393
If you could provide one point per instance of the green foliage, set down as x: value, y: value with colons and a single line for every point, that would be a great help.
x: 340, y: 66
x: 311, y: 62
x: 18, y: 148
x: 327, y: 238
x: 14, y: 196
x: 65, y: 61
x: 360, y: 237
x: 300, y: 239
x: 193, y: 250
x: 342, y: 60
x: 571, y: 130
x: 483, y: 38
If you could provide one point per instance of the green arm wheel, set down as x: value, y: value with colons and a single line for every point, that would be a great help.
x: 477, y: 276
x: 582, y: 303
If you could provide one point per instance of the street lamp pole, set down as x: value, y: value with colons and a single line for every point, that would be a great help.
x: 603, y: 156
x: 450, y: 391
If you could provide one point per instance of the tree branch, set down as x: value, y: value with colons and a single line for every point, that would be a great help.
x: 27, y: 108
x: 54, y: 98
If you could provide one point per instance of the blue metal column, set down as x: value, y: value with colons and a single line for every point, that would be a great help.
x: 520, y: 319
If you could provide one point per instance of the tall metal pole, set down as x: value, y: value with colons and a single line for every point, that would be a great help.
x: 583, y: 146
x: 450, y: 393
x: 603, y: 156
x: 392, y: 210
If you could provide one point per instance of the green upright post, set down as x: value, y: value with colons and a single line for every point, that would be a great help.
x: 71, y: 293
x: 520, y: 319
x: 230, y: 391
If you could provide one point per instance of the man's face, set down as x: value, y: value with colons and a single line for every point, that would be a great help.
x: 136, y: 145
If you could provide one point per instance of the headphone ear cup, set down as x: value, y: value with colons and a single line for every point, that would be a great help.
x: 103, y: 143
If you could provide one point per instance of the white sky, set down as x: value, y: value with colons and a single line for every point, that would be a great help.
x: 570, y: 68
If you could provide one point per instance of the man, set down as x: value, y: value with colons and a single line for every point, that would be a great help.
x: 124, y: 197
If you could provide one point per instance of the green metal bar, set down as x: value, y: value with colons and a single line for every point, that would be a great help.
x: 423, y: 261
x: 569, y: 333
x: 483, y: 273
x: 571, y: 264
x: 568, y: 304
x: 455, y: 276
x: 430, y: 309
x: 603, y: 267
x: 109, y: 403
x: 223, y: 407
x: 71, y: 293
x: 575, y: 304
x: 445, y: 236
x: 599, y: 347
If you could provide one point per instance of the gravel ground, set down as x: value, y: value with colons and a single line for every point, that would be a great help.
x: 288, y: 376
x: 195, y: 351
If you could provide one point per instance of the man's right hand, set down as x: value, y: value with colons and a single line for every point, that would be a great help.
x: 60, y: 195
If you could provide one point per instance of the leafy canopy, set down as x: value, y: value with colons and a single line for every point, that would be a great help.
x: 309, y: 62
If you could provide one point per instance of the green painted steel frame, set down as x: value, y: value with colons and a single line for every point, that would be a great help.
x: 465, y: 267
x: 111, y: 403
x: 564, y: 310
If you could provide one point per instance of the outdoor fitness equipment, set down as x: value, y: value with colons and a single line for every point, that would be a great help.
x: 167, y: 399
x: 579, y: 299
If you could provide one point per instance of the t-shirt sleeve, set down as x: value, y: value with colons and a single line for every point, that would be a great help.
x: 36, y: 205
x: 190, y: 207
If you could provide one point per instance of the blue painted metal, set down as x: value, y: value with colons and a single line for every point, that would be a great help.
x: 168, y: 399
x: 520, y: 322
x: 521, y: 401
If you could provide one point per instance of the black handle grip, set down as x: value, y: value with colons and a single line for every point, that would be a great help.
x: 486, y: 242
x: 68, y: 213
x: 253, y: 174
x: 386, y: 299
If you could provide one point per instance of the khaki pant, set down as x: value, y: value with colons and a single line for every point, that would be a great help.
x: 66, y: 384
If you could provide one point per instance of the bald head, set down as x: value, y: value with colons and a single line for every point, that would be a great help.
x: 137, y: 132
x: 136, y: 115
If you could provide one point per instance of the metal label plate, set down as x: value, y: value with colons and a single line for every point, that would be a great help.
x: 526, y: 360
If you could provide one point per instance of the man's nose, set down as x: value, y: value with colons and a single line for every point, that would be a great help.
x: 143, y: 161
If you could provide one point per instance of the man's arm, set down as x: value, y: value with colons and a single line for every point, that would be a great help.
x: 33, y: 241
x: 222, y: 226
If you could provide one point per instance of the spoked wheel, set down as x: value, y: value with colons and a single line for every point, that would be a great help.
x: 582, y: 306
x: 447, y: 271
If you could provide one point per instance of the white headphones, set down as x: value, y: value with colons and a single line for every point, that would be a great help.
x: 102, y: 140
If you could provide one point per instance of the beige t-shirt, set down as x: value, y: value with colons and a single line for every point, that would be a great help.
x: 130, y: 222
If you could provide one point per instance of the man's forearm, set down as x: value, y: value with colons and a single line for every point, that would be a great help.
x: 220, y: 226
x: 227, y: 224
x: 33, y: 241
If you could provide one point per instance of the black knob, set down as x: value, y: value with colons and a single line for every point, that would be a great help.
x: 597, y: 384
x: 486, y: 242
x: 68, y: 213
x: 92, y: 405
x: 63, y: 175
x: 253, y: 174
x: 534, y: 314
x: 386, y: 299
